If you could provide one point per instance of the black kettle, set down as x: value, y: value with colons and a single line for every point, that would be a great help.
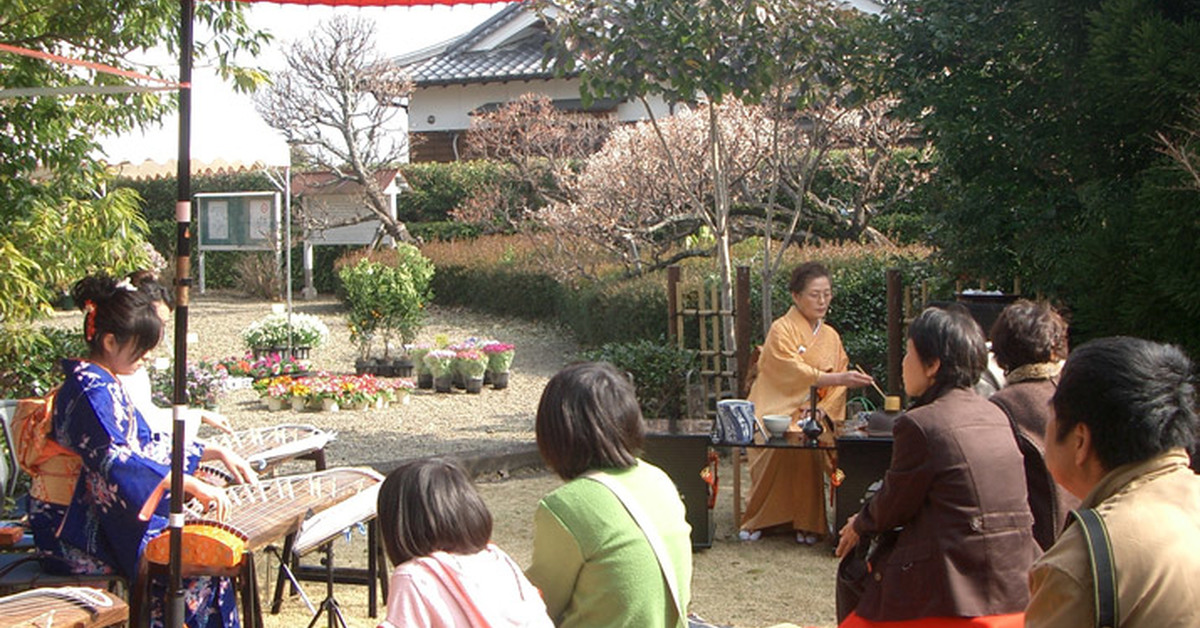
x: 812, y: 427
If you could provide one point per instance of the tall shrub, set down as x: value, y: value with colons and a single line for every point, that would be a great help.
x: 386, y: 293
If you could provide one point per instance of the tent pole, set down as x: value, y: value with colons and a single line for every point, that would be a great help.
x: 183, y: 218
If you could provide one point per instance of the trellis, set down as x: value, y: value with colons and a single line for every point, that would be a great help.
x: 695, y: 323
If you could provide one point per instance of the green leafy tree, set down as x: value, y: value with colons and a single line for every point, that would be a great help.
x: 55, y: 221
x: 1045, y: 117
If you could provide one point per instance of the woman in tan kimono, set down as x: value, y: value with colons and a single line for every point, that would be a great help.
x: 801, y: 351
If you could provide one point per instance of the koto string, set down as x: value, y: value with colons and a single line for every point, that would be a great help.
x: 262, y: 504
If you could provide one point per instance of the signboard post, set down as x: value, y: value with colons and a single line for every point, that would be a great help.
x: 238, y: 221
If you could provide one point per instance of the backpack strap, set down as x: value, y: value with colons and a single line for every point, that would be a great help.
x: 1104, y: 572
x: 643, y: 521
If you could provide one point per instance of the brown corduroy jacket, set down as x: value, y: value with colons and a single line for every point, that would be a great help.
x: 1027, y: 405
x: 957, y: 486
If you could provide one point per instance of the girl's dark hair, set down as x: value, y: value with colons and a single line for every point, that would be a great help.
x: 1028, y: 332
x: 1137, y: 397
x: 430, y: 505
x: 147, y: 281
x: 117, y: 308
x: 805, y: 273
x: 956, y: 340
x: 588, y: 418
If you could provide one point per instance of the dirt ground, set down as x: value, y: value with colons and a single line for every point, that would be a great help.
x: 749, y: 585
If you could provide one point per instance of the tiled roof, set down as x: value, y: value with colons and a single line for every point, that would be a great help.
x: 456, y: 63
x: 328, y: 183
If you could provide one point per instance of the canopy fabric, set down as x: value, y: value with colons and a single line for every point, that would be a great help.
x: 380, y: 3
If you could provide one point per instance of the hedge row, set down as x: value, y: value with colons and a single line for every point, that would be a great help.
x: 622, y: 310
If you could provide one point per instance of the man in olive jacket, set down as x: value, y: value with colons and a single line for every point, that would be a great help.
x: 1124, y: 415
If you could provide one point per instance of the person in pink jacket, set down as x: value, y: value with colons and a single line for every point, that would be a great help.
x: 436, y: 530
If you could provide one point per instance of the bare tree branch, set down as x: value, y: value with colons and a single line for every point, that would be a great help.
x: 337, y: 100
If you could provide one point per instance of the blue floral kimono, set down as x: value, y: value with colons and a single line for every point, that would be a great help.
x: 123, y: 462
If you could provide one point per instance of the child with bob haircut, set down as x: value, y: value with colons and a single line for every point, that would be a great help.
x: 436, y: 530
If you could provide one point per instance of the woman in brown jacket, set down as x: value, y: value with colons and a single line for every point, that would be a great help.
x: 1030, y: 343
x: 956, y: 490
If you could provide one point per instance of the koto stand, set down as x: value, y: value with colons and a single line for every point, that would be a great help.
x: 330, y: 603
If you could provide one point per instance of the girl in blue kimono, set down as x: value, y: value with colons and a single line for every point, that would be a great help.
x: 101, y: 521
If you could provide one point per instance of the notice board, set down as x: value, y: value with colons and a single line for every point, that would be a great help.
x: 238, y: 221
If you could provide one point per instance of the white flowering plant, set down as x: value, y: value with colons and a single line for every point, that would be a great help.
x: 307, y: 330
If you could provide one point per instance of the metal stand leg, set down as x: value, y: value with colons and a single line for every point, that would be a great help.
x: 330, y: 603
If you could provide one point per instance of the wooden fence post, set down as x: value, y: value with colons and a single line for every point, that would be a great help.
x: 895, y: 331
x: 741, y: 310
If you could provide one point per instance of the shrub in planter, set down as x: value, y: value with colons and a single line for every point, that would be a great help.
x: 386, y: 293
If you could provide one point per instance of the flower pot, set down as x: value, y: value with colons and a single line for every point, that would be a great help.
x: 383, y: 367
x: 459, y: 380
x: 500, y: 380
x: 474, y: 385
x: 425, y: 380
x: 298, y: 403
x: 330, y: 405
x: 274, y: 403
x: 402, y: 367
x: 361, y: 405
x: 487, y: 377
x: 443, y: 383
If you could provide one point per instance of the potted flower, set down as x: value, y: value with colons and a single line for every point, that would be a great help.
x: 308, y: 332
x: 278, y: 391
x: 267, y: 335
x: 398, y: 390
x: 441, y: 363
x: 471, y: 363
x: 424, y: 376
x: 326, y: 392
x: 206, y: 381
x: 299, y: 393
x: 273, y: 333
x: 500, y: 357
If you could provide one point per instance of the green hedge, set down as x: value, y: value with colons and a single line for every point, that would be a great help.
x: 659, y: 372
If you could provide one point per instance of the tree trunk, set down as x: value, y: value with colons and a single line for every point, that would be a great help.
x: 721, y: 221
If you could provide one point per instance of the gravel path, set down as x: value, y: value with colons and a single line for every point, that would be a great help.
x: 429, y: 424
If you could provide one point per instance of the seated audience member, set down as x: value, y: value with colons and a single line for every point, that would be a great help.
x: 1030, y: 342
x: 593, y: 557
x: 436, y: 528
x: 956, y: 490
x: 1124, y: 416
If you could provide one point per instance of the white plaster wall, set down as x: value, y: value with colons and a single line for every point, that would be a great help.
x: 449, y: 105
